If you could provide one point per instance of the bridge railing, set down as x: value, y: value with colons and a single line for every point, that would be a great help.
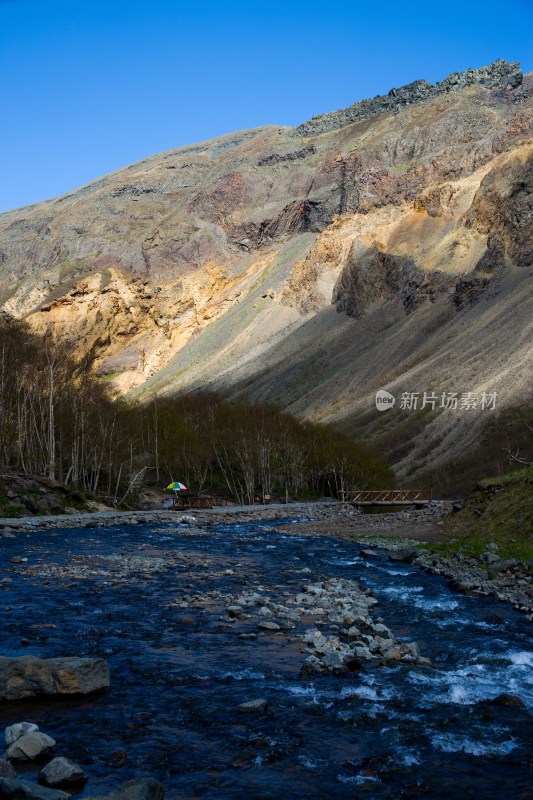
x: 389, y: 496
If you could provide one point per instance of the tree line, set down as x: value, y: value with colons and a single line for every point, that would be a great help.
x: 59, y: 420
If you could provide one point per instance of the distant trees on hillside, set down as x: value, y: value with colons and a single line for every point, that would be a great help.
x: 248, y: 448
x: 57, y: 419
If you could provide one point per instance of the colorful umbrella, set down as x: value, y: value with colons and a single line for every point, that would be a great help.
x: 176, y: 486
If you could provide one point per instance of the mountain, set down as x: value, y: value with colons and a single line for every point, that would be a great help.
x: 387, y: 245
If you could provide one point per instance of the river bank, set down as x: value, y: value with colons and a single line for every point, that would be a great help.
x: 329, y: 512
x: 416, y: 536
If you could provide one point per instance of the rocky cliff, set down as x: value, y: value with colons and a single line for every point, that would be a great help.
x: 499, y: 75
x: 386, y: 245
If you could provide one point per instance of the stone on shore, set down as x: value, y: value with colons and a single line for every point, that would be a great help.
x: 30, y: 746
x: 462, y: 586
x: 406, y: 554
x: 61, y: 770
x: 138, y: 789
x: 11, y: 789
x: 502, y: 565
x: 311, y: 666
x: 28, y: 676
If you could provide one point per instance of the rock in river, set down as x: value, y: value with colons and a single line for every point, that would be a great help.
x: 507, y: 700
x: 34, y: 677
x: 254, y: 705
x: 14, y: 732
x: 6, y: 770
x: 30, y: 746
x: 61, y: 770
x: 269, y: 626
x: 138, y: 789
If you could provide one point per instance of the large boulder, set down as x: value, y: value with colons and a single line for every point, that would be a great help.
x: 11, y: 789
x: 14, y: 732
x: 61, y: 770
x: 34, y: 677
x: 30, y: 746
x: 138, y: 789
x: 502, y: 565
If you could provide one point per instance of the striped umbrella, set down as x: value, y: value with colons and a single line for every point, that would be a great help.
x: 176, y: 486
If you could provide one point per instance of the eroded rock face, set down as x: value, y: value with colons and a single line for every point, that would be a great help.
x: 35, y: 677
x: 503, y: 209
x: 375, y: 276
x: 501, y: 212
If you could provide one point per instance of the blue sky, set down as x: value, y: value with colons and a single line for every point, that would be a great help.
x: 88, y: 87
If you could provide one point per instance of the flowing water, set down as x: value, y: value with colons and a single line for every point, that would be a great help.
x: 178, y: 673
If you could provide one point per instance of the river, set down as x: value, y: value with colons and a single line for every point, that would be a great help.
x: 151, y: 600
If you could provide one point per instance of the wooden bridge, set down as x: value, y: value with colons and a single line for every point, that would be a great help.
x: 183, y: 502
x: 389, y: 497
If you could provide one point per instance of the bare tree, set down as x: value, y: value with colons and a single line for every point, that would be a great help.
x: 514, y: 455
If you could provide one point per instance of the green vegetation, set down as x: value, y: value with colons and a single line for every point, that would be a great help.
x: 57, y: 420
x: 402, y: 167
x: 499, y: 510
x: 21, y: 495
x: 110, y: 376
x: 245, y: 449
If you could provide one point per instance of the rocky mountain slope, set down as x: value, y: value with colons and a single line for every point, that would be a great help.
x: 387, y: 245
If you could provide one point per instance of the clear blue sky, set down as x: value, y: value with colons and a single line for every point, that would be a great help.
x: 88, y: 87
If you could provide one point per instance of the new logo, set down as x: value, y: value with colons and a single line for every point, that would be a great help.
x: 384, y: 400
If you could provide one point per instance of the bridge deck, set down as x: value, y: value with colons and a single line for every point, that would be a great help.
x: 388, y: 502
x: 390, y: 497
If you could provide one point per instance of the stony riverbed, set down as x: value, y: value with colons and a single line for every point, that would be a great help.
x: 246, y: 662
